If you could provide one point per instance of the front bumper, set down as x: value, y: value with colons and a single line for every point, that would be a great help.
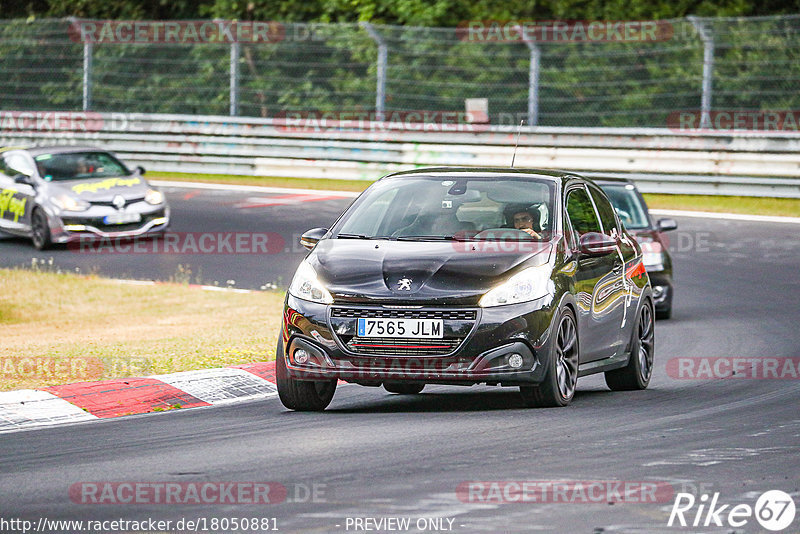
x: 479, y: 350
x: 67, y: 227
x: 662, y: 289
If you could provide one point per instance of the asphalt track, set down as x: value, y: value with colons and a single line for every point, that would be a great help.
x: 277, y: 219
x: 377, y: 455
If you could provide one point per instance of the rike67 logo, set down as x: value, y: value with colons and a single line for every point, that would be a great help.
x: 774, y: 510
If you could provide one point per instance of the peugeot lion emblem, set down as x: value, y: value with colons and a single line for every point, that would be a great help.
x: 404, y: 284
x: 118, y: 201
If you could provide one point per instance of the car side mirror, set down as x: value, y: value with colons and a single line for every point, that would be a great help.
x: 665, y: 225
x: 310, y: 239
x: 597, y: 244
x: 22, y: 179
x: 140, y: 170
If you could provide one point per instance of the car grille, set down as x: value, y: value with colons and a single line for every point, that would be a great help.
x: 457, y: 324
x: 98, y: 223
x: 371, y: 313
x: 405, y: 347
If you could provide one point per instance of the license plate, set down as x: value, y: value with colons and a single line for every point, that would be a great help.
x: 122, y: 218
x: 414, y: 328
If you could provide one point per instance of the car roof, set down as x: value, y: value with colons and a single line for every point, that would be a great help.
x: 547, y: 174
x: 55, y: 149
x: 611, y: 180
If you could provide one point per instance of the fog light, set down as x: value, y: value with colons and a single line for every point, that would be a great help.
x: 301, y: 356
x: 658, y: 291
x: 515, y: 360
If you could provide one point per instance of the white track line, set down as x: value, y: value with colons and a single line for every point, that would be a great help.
x: 351, y: 194
x: 252, y: 188
x: 27, y: 408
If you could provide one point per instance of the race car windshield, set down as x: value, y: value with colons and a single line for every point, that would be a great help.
x: 437, y: 208
x: 79, y: 166
x: 628, y: 205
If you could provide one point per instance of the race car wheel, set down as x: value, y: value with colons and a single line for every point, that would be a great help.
x: 40, y: 230
x: 301, y: 395
x: 636, y: 375
x: 561, y: 377
x: 402, y: 388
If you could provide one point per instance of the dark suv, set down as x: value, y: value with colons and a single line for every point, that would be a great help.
x: 633, y: 213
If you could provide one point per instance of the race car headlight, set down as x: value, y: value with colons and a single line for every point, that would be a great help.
x: 154, y: 197
x: 305, y: 285
x: 530, y: 284
x: 70, y: 203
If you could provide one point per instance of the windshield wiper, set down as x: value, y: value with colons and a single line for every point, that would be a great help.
x: 359, y: 236
x: 431, y: 238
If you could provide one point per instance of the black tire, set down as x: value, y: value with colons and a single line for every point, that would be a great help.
x: 40, y: 230
x: 403, y: 388
x: 558, y: 387
x: 301, y: 395
x: 636, y: 375
x: 664, y: 313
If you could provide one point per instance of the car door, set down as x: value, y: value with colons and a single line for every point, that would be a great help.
x: 617, y: 293
x: 16, y: 200
x: 593, y: 278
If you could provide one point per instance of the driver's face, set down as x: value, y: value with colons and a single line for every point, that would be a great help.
x: 523, y: 220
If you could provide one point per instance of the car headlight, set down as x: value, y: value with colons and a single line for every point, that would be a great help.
x: 653, y: 256
x: 154, y: 197
x: 305, y: 285
x: 530, y: 284
x: 70, y: 203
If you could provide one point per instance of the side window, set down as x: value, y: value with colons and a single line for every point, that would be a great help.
x: 605, y: 209
x: 581, y: 212
x: 5, y: 172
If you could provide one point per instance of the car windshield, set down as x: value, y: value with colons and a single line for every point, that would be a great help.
x: 79, y: 166
x: 461, y: 207
x: 628, y: 204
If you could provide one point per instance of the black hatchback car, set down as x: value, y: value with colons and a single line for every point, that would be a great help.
x: 506, y: 277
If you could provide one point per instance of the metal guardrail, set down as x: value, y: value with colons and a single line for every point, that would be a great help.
x: 659, y: 160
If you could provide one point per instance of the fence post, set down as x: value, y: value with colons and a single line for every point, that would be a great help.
x: 87, y: 76
x: 234, y: 83
x: 708, y: 70
x: 383, y: 53
x: 533, y: 77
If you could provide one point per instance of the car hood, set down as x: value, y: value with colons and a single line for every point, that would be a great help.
x: 102, y: 189
x: 438, y: 273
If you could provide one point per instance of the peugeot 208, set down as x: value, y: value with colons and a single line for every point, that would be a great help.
x: 507, y: 277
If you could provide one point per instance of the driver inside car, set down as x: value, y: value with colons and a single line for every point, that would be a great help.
x: 523, y: 220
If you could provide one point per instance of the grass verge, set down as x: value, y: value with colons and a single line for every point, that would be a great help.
x: 264, y: 181
x: 86, y: 328
x: 786, y: 207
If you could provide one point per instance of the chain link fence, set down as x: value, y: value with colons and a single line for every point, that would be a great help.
x: 713, y: 64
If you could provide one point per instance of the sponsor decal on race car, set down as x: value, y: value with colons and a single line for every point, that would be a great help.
x: 15, y: 206
x: 106, y: 184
